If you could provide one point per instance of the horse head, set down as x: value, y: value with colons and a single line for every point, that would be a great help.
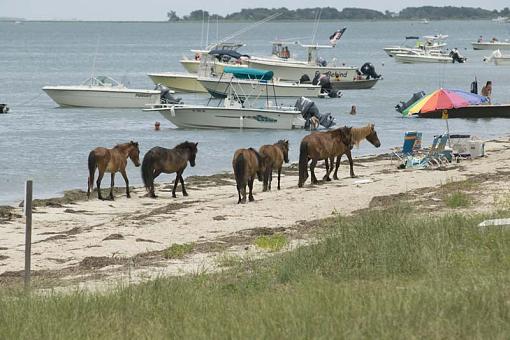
x: 193, y: 153
x: 284, y: 146
x: 372, y: 136
x: 134, y: 153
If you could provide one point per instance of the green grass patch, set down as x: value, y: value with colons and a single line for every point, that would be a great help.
x: 458, y: 199
x: 178, y: 251
x: 271, y: 243
x: 228, y: 260
x: 386, y: 274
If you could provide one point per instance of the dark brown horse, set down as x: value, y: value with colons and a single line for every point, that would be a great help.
x: 274, y: 155
x: 111, y: 160
x: 247, y: 164
x: 160, y: 160
x: 358, y: 135
x: 322, y: 145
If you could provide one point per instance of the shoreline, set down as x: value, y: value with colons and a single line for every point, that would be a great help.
x: 97, y: 244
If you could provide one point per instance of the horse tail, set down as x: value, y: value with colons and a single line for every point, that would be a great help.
x: 148, y: 170
x: 303, y: 163
x: 239, y: 167
x: 92, y: 170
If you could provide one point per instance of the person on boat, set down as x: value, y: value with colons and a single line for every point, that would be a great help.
x: 487, y: 91
x: 480, y: 39
x: 493, y: 40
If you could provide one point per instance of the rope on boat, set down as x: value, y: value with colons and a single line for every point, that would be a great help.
x: 28, y: 101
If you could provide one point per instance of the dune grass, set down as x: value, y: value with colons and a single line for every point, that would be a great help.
x: 458, y: 199
x: 271, y: 243
x: 178, y: 251
x: 386, y: 274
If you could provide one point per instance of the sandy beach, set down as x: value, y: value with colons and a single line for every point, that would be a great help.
x: 92, y: 242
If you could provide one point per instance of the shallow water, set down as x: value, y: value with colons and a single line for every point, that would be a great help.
x: 50, y: 145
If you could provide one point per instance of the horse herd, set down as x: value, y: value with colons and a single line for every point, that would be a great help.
x: 247, y: 164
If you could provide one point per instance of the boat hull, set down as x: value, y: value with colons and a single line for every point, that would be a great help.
x: 192, y: 66
x: 293, y: 71
x: 474, y: 111
x: 179, y: 82
x: 502, y: 61
x: 362, y: 84
x: 491, y: 46
x: 207, y: 117
x: 105, y: 98
x: 418, y: 59
x: 219, y: 88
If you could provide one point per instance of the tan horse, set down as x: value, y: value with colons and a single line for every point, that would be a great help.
x: 322, y: 145
x: 247, y: 164
x: 160, y: 160
x: 358, y: 135
x: 112, y: 161
x: 274, y: 155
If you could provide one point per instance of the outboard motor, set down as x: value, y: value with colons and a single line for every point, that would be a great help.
x: 327, y: 88
x: 166, y: 96
x: 308, y: 109
x: 456, y: 57
x: 305, y: 79
x: 404, y: 105
x: 474, y: 87
x: 368, y: 70
x: 4, y: 108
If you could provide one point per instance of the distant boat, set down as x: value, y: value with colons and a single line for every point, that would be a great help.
x: 498, y: 58
x: 501, y: 20
x: 104, y: 92
x: 491, y: 45
x: 424, y: 21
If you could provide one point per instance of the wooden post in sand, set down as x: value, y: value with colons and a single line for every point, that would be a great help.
x: 28, y: 231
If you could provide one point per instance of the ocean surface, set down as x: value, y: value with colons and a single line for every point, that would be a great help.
x: 50, y: 145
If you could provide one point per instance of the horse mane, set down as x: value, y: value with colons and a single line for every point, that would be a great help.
x: 185, y: 145
x: 282, y: 142
x: 360, y: 133
x: 124, y: 145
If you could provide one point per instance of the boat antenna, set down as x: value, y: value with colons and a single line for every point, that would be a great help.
x: 95, y: 57
x: 316, y: 25
x: 202, y: 30
x: 252, y: 26
x: 207, y: 33
x: 217, y: 29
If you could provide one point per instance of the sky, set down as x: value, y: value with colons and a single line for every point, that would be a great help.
x: 156, y: 9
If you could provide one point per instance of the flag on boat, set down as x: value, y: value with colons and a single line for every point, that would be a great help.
x: 333, y: 38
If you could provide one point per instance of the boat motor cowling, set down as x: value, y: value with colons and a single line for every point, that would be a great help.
x: 166, y: 96
x: 404, y: 105
x: 456, y: 56
x: 308, y: 109
x: 4, y: 108
x: 368, y: 70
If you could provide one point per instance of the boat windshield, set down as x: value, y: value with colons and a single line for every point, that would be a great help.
x: 101, y: 81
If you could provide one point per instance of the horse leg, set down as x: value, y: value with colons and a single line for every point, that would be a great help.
x: 124, y: 175
x: 250, y: 186
x: 184, y: 193
x: 328, y: 168
x: 238, y: 193
x: 279, y: 172
x: 335, y: 175
x: 175, y: 184
x: 243, y: 192
x: 270, y: 179
x: 152, y: 192
x: 98, y: 183
x: 349, y: 156
x: 312, y: 171
x: 111, y: 185
x: 265, y: 183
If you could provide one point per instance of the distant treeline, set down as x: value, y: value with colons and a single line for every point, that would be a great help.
x: 330, y: 13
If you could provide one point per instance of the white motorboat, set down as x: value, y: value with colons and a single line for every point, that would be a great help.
x: 414, y: 44
x: 501, y: 20
x: 498, y: 58
x: 286, y: 68
x: 178, y: 81
x: 430, y: 57
x: 238, y: 111
x: 491, y: 45
x: 102, y: 91
x: 261, y: 85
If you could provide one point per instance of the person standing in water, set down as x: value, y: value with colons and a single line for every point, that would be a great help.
x: 487, y: 91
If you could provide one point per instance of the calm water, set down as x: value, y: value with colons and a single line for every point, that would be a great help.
x: 50, y: 145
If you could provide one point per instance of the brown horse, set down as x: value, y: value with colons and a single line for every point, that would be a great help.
x: 275, y: 155
x: 322, y: 145
x: 247, y: 163
x: 160, y: 160
x: 111, y: 160
x: 358, y: 135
